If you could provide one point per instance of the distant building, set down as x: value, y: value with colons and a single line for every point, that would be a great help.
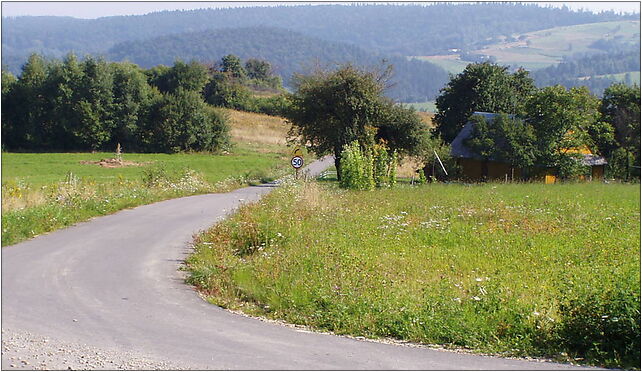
x: 475, y: 168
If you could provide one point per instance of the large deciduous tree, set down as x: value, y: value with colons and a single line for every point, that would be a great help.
x: 561, y: 120
x: 506, y: 139
x: 620, y: 111
x: 181, y: 121
x: 24, y: 105
x: 190, y: 76
x: 332, y: 109
x: 132, y: 101
x: 231, y: 65
x: 480, y: 87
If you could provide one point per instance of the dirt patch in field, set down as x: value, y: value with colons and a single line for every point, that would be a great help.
x: 113, y: 163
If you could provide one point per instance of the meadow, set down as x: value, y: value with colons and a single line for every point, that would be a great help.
x: 509, y: 269
x: 544, y: 48
x: 46, y: 191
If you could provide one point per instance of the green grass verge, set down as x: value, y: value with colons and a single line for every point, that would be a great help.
x: 45, y: 192
x: 518, y: 269
x: 47, y: 168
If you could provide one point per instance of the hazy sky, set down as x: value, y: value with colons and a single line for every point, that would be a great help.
x: 95, y: 9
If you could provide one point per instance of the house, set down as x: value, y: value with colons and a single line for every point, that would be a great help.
x: 476, y: 168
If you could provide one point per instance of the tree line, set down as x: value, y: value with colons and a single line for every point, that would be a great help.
x: 74, y: 105
x: 537, y: 127
x: 584, y: 70
x: 390, y: 29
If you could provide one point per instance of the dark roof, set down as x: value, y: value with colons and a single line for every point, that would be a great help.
x: 459, y: 150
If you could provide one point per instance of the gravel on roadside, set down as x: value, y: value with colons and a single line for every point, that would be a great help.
x: 26, y: 351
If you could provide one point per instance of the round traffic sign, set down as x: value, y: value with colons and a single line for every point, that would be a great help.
x: 297, y: 162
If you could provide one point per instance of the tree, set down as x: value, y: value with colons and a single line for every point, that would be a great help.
x: 480, y: 87
x: 132, y: 101
x: 332, y: 109
x: 7, y: 81
x: 503, y: 139
x: 620, y: 110
x: 561, y: 120
x: 93, y: 105
x: 231, y: 65
x: 258, y: 69
x: 187, y: 76
x: 24, y: 106
x: 224, y: 91
x: 182, y: 122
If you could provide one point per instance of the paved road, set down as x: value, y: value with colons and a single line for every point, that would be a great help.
x: 113, y: 283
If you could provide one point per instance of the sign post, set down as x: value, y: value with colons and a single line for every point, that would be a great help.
x: 297, y: 161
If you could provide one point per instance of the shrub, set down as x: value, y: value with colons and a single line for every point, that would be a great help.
x: 182, y: 122
x: 356, y: 168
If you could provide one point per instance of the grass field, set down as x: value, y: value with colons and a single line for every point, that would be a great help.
x: 621, y: 77
x: 423, y: 106
x: 540, y: 49
x: 451, y: 63
x: 44, y: 192
x: 509, y: 269
x: 543, y: 48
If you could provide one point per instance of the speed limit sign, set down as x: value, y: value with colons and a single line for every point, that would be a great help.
x: 297, y: 162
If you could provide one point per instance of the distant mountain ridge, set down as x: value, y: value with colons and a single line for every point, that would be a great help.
x: 393, y: 29
x: 292, y: 38
x: 289, y: 52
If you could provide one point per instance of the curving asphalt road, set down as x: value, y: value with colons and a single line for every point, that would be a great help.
x: 114, y: 283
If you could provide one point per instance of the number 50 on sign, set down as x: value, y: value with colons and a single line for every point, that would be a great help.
x: 297, y: 162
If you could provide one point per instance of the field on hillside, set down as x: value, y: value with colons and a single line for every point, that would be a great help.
x: 451, y: 62
x: 544, y: 48
x: 43, y: 192
x: 428, y: 106
x: 621, y: 77
x: 511, y: 269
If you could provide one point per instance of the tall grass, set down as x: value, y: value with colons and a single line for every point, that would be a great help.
x: 529, y: 269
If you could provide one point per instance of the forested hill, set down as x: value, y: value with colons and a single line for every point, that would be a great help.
x: 288, y: 52
x: 596, y: 71
x: 402, y: 29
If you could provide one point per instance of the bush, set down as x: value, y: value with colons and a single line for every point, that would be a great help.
x: 182, y: 122
x: 356, y: 168
x: 274, y: 106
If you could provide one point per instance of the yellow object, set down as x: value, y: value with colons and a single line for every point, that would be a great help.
x: 549, y: 179
x: 297, y: 152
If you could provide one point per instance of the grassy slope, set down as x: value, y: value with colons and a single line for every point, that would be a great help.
x: 428, y: 106
x: 547, y: 47
x: 621, y: 77
x: 523, y: 269
x: 37, y: 198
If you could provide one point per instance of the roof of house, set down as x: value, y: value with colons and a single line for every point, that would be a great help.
x: 459, y: 149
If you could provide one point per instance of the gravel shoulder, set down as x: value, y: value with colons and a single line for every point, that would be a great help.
x: 23, y: 350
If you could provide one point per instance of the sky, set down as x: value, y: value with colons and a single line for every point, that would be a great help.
x: 95, y: 9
